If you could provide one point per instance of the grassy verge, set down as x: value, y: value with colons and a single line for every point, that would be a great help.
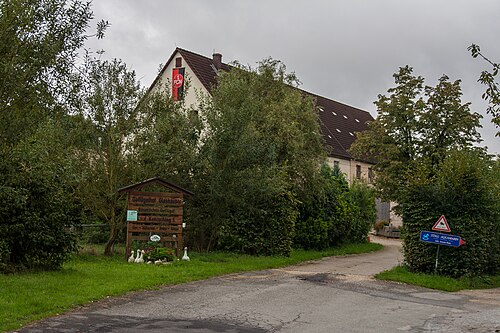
x: 88, y: 277
x: 401, y: 274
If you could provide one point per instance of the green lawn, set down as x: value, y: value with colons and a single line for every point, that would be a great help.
x: 28, y: 297
x: 401, y: 274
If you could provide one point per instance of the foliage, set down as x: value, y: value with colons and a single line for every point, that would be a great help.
x: 39, y: 42
x: 422, y: 143
x: 336, y: 213
x: 260, y: 154
x: 154, y: 251
x: 108, y: 94
x: 168, y: 145
x: 24, y: 296
x: 465, y: 190
x: 362, y: 199
x: 492, y: 93
x: 415, y: 125
x: 38, y: 210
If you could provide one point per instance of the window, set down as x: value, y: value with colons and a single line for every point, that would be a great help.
x: 336, y: 164
x: 358, y: 171
x: 178, y: 62
x: 370, y: 175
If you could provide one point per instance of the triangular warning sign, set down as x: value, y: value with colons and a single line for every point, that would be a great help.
x: 441, y: 225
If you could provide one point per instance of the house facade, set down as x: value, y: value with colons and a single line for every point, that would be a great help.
x: 339, y: 122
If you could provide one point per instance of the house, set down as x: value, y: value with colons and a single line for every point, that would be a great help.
x: 339, y: 122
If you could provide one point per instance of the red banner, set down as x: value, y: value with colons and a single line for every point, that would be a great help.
x: 177, y: 83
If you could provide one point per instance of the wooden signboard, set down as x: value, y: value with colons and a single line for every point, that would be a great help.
x: 155, y: 213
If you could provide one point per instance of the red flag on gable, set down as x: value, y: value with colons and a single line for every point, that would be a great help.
x: 177, y: 83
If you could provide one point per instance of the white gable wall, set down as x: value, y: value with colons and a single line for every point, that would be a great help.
x: 195, y: 86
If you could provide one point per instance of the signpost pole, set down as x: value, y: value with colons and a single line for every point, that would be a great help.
x: 437, y: 259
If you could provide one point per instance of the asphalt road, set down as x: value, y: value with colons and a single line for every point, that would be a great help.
x: 331, y: 295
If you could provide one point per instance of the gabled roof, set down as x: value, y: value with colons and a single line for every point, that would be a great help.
x: 155, y: 181
x: 339, y: 122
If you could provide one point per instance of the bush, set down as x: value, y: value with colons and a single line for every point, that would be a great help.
x: 264, y: 229
x: 364, y: 211
x: 465, y: 190
x: 38, y: 212
x: 326, y: 219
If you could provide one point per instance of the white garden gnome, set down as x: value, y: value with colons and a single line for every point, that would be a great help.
x: 185, y: 256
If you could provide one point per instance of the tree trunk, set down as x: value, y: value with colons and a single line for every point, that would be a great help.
x: 108, y: 249
x: 113, y: 233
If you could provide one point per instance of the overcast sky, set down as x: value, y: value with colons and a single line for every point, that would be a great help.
x: 343, y: 50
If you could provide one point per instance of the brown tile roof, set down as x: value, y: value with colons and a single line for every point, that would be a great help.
x: 203, y: 67
x: 339, y: 122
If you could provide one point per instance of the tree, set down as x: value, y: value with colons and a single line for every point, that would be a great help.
x: 415, y: 125
x: 168, y: 146
x: 39, y: 42
x: 492, y: 93
x: 109, y: 94
x: 260, y: 154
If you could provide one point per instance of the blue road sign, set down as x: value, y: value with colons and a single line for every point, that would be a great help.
x: 440, y: 239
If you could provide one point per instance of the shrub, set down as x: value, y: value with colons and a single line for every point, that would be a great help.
x: 465, y: 190
x: 325, y: 220
x: 364, y: 211
x: 38, y: 212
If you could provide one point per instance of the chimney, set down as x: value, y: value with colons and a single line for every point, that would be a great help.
x: 217, y: 60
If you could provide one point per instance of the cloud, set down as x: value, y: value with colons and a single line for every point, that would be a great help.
x: 344, y: 50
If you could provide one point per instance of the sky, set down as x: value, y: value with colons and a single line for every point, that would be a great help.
x: 344, y: 50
